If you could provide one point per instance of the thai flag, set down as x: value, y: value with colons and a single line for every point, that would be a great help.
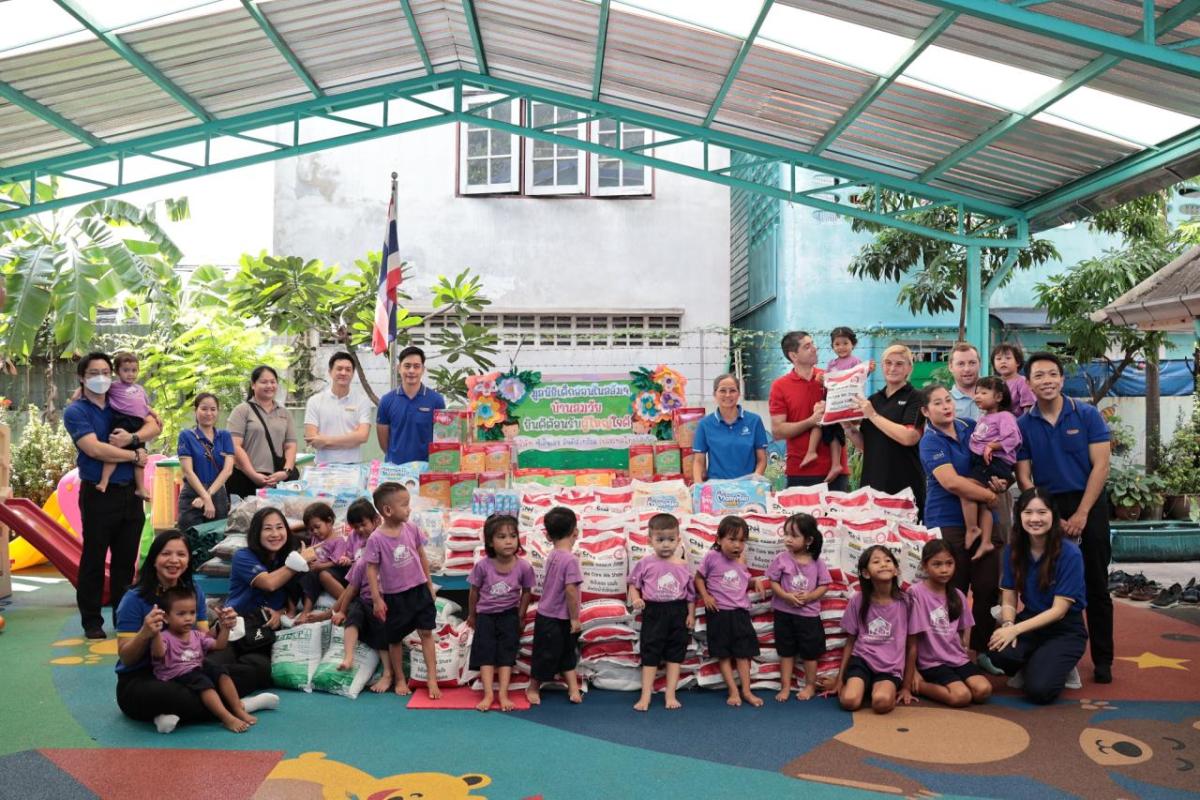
x: 384, y: 331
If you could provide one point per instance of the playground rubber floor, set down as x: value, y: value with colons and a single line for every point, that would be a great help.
x: 63, y: 737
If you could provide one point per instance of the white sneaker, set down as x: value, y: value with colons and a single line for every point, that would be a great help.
x: 1073, y: 680
x: 1017, y: 681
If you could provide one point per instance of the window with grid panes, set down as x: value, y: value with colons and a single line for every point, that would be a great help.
x: 489, y: 157
x: 614, y: 176
x: 551, y: 167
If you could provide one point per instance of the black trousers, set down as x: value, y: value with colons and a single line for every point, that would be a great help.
x: 1046, y: 656
x: 112, y: 521
x: 1096, y: 545
x: 143, y: 697
x: 981, y: 579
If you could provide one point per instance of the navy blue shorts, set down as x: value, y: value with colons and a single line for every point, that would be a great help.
x: 944, y: 674
x: 497, y: 639
x: 665, y: 634
x: 554, y: 648
x: 983, y: 473
x: 731, y: 634
x: 800, y: 637
x: 408, y: 611
x: 857, y: 668
x: 371, y: 631
x: 202, y: 678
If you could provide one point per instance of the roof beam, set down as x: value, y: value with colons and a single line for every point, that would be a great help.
x: 416, y: 34
x: 48, y: 115
x: 882, y: 83
x: 476, y: 39
x: 282, y: 46
x: 1170, y: 20
x: 744, y: 51
x: 601, y: 43
x: 1132, y: 49
x: 139, y: 63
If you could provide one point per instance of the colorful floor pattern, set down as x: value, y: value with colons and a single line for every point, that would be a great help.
x: 64, y: 738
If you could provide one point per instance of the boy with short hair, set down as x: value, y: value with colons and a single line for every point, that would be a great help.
x: 556, y: 627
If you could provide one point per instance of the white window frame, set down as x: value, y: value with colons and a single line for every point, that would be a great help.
x: 514, y: 182
x: 532, y: 143
x: 594, y: 187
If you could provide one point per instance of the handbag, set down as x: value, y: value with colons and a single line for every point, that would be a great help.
x: 277, y: 461
x: 259, y: 636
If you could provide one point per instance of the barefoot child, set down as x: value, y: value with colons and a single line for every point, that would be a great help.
x: 939, y: 623
x: 362, y: 519
x: 994, y: 445
x: 660, y: 586
x: 843, y: 341
x: 799, y: 579
x: 723, y: 583
x: 501, y: 588
x: 328, y: 572
x: 401, y: 590
x: 351, y: 611
x: 876, y: 625
x: 131, y: 406
x: 556, y: 627
x: 177, y: 654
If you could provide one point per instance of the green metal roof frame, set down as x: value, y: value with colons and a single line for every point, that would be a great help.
x: 282, y: 46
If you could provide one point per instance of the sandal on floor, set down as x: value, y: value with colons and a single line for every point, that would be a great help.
x: 1191, y: 593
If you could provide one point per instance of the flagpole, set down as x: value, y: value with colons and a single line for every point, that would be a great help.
x: 392, y: 342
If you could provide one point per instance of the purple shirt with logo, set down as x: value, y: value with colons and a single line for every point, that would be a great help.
x: 1023, y: 398
x: 499, y: 591
x: 726, y: 580
x: 661, y: 580
x: 998, y: 427
x: 333, y: 548
x: 942, y: 643
x: 880, y: 642
x: 182, y: 655
x: 129, y: 399
x: 800, y: 578
x: 398, y: 557
x: 356, y: 545
x: 562, y: 568
x: 357, y: 576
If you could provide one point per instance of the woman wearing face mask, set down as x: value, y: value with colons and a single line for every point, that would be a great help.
x: 206, y: 458
x: 264, y: 437
x: 112, y: 517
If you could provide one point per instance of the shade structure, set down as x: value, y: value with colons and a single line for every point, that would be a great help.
x: 1169, y: 300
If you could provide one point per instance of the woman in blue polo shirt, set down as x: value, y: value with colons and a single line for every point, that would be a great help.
x: 266, y: 573
x: 206, y: 458
x: 946, y: 459
x: 1046, y: 640
x: 730, y: 443
x: 140, y: 695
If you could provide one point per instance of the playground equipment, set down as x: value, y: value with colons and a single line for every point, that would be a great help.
x: 56, y: 543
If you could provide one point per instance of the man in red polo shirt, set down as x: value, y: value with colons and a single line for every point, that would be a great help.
x: 797, y: 402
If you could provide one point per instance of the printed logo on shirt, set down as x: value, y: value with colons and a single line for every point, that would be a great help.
x: 350, y: 409
x: 799, y: 582
x: 401, y: 555
x: 937, y: 455
x: 499, y: 589
x: 1072, y: 431
x: 879, y: 630
x: 901, y: 402
x: 939, y: 620
x: 745, y: 430
x: 188, y: 654
x: 424, y: 409
x: 358, y: 554
x: 732, y: 578
x: 667, y: 584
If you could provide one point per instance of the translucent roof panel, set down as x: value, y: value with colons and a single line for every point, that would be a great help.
x: 723, y: 16
x: 1001, y: 85
x: 841, y: 42
x: 1129, y: 119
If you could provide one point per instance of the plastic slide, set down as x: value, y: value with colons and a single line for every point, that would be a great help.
x: 52, y: 540
x: 22, y: 554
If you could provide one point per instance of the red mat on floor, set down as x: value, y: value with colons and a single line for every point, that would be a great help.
x: 460, y: 698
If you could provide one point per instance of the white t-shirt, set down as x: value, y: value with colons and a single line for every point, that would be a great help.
x: 337, y: 416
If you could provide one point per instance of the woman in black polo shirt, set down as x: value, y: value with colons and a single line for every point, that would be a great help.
x: 891, y: 429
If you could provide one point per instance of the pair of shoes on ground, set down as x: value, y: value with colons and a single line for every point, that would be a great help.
x: 1175, y: 594
x: 1124, y: 584
x: 1103, y: 675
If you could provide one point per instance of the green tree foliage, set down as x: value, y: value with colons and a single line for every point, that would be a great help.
x: 40, y: 458
x: 932, y: 273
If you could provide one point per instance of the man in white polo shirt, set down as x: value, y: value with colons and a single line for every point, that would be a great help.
x: 337, y: 420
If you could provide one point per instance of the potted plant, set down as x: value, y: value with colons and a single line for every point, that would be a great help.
x: 1132, y: 490
x: 1121, y: 436
x: 1179, y: 466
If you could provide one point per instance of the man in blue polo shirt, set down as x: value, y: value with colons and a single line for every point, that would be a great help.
x: 404, y: 423
x: 112, y: 517
x: 1065, y: 450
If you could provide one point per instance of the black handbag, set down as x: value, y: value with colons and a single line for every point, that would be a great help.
x: 277, y: 461
x: 259, y: 636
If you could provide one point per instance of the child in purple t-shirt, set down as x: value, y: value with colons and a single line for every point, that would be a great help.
x: 843, y: 341
x: 660, y: 586
x: 177, y: 654
x: 1007, y: 361
x: 939, y: 622
x: 130, y: 406
x: 876, y: 625
x: 501, y: 588
x: 799, y: 579
x: 723, y: 584
x: 351, y: 611
x: 556, y: 627
x: 401, y: 589
x: 994, y: 445
x: 328, y: 572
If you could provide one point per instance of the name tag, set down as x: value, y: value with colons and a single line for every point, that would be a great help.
x: 425, y: 410
x: 350, y: 409
x: 1072, y: 431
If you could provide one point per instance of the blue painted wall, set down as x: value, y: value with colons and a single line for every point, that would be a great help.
x: 814, y: 291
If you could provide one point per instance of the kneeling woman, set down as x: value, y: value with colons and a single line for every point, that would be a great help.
x: 264, y: 584
x: 140, y: 615
x: 1047, y: 638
